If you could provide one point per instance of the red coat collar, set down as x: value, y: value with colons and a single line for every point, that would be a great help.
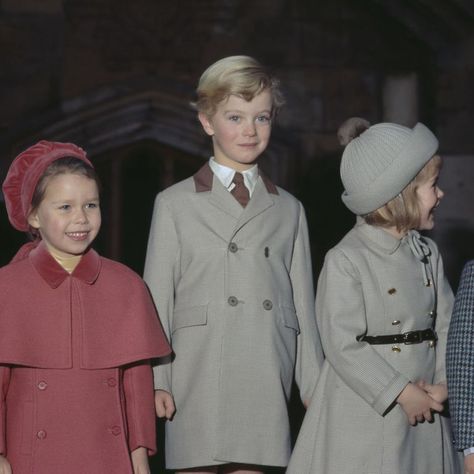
x: 204, y: 177
x: 53, y: 273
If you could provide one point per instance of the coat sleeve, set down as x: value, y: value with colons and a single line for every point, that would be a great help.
x: 444, y: 309
x: 140, y: 406
x: 460, y: 361
x: 4, y: 382
x: 160, y: 274
x: 341, y: 317
x: 309, y: 356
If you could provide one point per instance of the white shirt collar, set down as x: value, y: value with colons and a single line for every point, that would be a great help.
x: 226, y: 175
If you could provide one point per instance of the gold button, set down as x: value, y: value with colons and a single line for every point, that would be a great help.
x: 432, y: 313
x: 431, y: 343
x: 392, y: 291
x: 395, y: 322
x: 396, y: 349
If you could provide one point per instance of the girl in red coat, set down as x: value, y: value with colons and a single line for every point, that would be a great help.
x: 77, y: 331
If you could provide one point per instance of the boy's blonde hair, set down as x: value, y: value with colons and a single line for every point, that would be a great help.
x: 403, y: 211
x: 242, y: 76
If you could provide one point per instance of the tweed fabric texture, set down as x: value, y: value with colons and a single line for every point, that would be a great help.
x: 373, y: 284
x: 233, y: 287
x: 378, y: 164
x: 460, y: 361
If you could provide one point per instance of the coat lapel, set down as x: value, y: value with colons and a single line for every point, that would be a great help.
x: 206, y: 182
x: 260, y: 201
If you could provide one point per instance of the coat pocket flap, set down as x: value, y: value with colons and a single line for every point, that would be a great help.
x: 190, y: 316
x: 289, y: 318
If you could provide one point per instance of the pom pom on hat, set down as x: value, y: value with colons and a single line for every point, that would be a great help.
x: 25, y: 172
x: 351, y: 129
x: 379, y: 161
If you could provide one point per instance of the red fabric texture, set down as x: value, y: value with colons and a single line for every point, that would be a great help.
x: 25, y: 172
x: 76, y: 385
x: 118, y: 320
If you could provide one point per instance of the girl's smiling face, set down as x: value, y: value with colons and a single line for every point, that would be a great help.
x: 68, y: 218
x: 429, y: 196
x: 240, y: 129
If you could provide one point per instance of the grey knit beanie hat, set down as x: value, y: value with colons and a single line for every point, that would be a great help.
x: 379, y: 161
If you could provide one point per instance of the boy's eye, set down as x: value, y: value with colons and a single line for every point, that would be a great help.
x: 92, y: 205
x: 65, y: 207
x: 234, y: 118
x: 263, y: 118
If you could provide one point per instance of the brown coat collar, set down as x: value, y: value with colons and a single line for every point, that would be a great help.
x: 204, y: 176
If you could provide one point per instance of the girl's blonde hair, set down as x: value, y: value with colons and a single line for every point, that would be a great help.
x: 242, y: 76
x: 403, y: 211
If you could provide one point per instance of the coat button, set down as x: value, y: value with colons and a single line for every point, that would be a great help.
x: 396, y: 349
x: 431, y: 343
x: 432, y: 313
x: 42, y: 385
x: 268, y: 305
x: 233, y: 247
x: 111, y: 382
x: 232, y: 300
x: 41, y: 434
x: 115, y: 430
x: 395, y: 322
x: 392, y: 291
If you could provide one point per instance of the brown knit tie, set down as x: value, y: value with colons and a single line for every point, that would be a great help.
x: 240, y: 191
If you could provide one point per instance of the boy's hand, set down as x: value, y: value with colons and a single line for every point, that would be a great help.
x: 164, y: 404
x: 5, y: 467
x: 417, y: 404
x: 140, y: 461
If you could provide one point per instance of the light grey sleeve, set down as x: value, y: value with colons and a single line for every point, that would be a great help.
x: 341, y: 317
x: 160, y: 274
x: 309, y: 357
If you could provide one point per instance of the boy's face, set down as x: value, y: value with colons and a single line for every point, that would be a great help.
x: 240, y: 130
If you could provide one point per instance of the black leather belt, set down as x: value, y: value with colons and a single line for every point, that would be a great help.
x: 410, y: 337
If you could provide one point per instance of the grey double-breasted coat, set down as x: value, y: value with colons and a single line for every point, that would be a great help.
x: 374, y: 284
x: 233, y: 287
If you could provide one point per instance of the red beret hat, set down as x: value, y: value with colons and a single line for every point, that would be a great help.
x: 25, y: 172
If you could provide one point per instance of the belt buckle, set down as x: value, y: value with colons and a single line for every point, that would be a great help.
x: 412, y: 337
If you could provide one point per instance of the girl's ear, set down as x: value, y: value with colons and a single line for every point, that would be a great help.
x: 206, y: 123
x: 33, y: 220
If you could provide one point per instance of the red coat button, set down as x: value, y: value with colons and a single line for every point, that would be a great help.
x: 41, y: 434
x: 42, y: 385
x: 115, y: 430
x: 111, y: 382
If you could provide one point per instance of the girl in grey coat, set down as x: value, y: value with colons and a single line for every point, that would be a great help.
x: 383, y: 307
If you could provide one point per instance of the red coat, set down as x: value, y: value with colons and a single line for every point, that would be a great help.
x: 76, y: 391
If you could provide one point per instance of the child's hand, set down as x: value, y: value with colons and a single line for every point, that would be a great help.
x: 140, y: 461
x: 469, y: 464
x: 5, y: 467
x: 438, y: 391
x: 164, y: 404
x: 417, y: 404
